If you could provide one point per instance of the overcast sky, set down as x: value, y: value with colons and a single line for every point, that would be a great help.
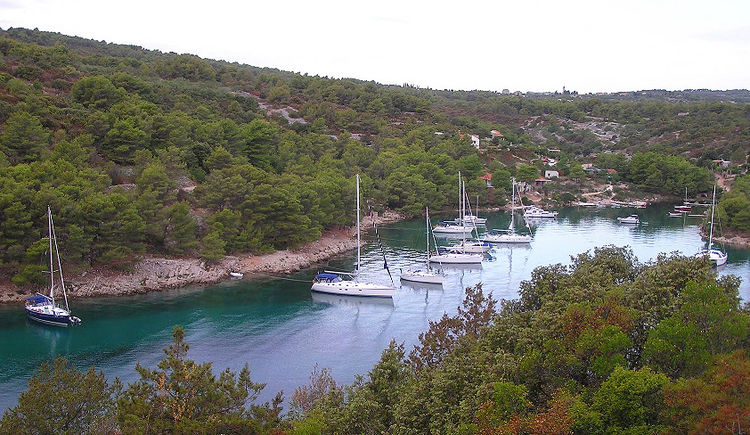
x: 525, y: 45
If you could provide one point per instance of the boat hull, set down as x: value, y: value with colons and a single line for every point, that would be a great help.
x: 422, y: 277
x: 628, y: 220
x: 457, y: 259
x: 452, y: 230
x: 354, y: 288
x: 473, y: 248
x: 717, y: 257
x: 508, y: 238
x: 56, y: 319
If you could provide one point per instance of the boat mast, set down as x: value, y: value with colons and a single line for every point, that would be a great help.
x: 59, y: 265
x: 460, y: 201
x: 711, y: 233
x: 358, y: 238
x: 512, y: 201
x: 427, y: 234
x: 51, y: 261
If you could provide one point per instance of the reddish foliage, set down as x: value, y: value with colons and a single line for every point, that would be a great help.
x: 719, y: 402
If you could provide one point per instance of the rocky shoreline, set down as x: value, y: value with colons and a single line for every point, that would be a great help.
x: 151, y: 274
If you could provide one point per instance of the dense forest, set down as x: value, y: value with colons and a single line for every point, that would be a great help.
x: 139, y: 151
x: 605, y: 345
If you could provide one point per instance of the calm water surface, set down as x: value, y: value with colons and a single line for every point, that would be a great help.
x: 282, y: 331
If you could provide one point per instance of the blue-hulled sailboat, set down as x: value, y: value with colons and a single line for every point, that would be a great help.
x: 42, y: 308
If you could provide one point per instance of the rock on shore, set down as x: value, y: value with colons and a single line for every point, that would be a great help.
x: 153, y: 274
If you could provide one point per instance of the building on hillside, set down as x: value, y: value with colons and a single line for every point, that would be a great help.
x: 722, y: 163
x: 587, y: 166
x: 551, y: 174
x: 496, y: 134
x: 541, y: 181
x: 487, y: 179
x: 553, y: 150
x: 475, y: 140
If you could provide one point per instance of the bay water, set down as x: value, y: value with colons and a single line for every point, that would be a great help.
x: 282, y: 330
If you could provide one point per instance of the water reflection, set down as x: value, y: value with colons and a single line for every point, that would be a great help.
x: 352, y: 301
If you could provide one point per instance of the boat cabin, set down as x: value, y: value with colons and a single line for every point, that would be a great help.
x: 327, y: 277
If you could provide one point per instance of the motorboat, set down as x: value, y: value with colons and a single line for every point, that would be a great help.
x: 537, y: 212
x: 632, y: 219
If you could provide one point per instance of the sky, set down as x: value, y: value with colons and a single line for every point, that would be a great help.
x: 523, y: 45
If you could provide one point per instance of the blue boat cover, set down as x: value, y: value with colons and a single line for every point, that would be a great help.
x: 38, y: 299
x: 328, y: 276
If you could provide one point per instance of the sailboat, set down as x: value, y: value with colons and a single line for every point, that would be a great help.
x: 717, y: 256
x: 685, y: 207
x: 469, y: 246
x: 462, y: 256
x: 509, y: 235
x: 458, y: 227
x: 423, y: 275
x: 42, y: 308
x: 469, y: 217
x: 347, y: 284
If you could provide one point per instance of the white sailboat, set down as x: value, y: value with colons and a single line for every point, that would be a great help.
x: 469, y: 246
x: 42, y: 308
x: 717, y: 256
x: 424, y: 274
x: 458, y: 227
x: 469, y: 217
x: 462, y: 256
x: 347, y: 284
x: 509, y: 235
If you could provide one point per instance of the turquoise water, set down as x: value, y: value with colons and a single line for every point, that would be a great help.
x: 281, y: 330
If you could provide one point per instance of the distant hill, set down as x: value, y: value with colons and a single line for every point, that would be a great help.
x: 143, y: 151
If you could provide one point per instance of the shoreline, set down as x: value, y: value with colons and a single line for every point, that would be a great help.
x: 153, y: 274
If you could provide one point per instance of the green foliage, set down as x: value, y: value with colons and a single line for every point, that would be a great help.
x: 582, y: 350
x: 23, y: 137
x: 62, y: 399
x: 670, y: 174
x: 185, y: 397
x: 734, y: 206
x: 631, y: 400
x: 96, y: 92
x: 212, y: 247
x: 527, y: 173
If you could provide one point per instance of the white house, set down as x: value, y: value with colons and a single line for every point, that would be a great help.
x: 475, y: 140
x: 551, y: 174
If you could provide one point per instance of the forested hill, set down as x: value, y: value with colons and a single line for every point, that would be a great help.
x: 142, y: 151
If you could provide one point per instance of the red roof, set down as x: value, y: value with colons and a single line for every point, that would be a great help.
x: 487, y: 177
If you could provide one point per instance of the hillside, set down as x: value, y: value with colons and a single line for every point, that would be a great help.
x: 139, y: 151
